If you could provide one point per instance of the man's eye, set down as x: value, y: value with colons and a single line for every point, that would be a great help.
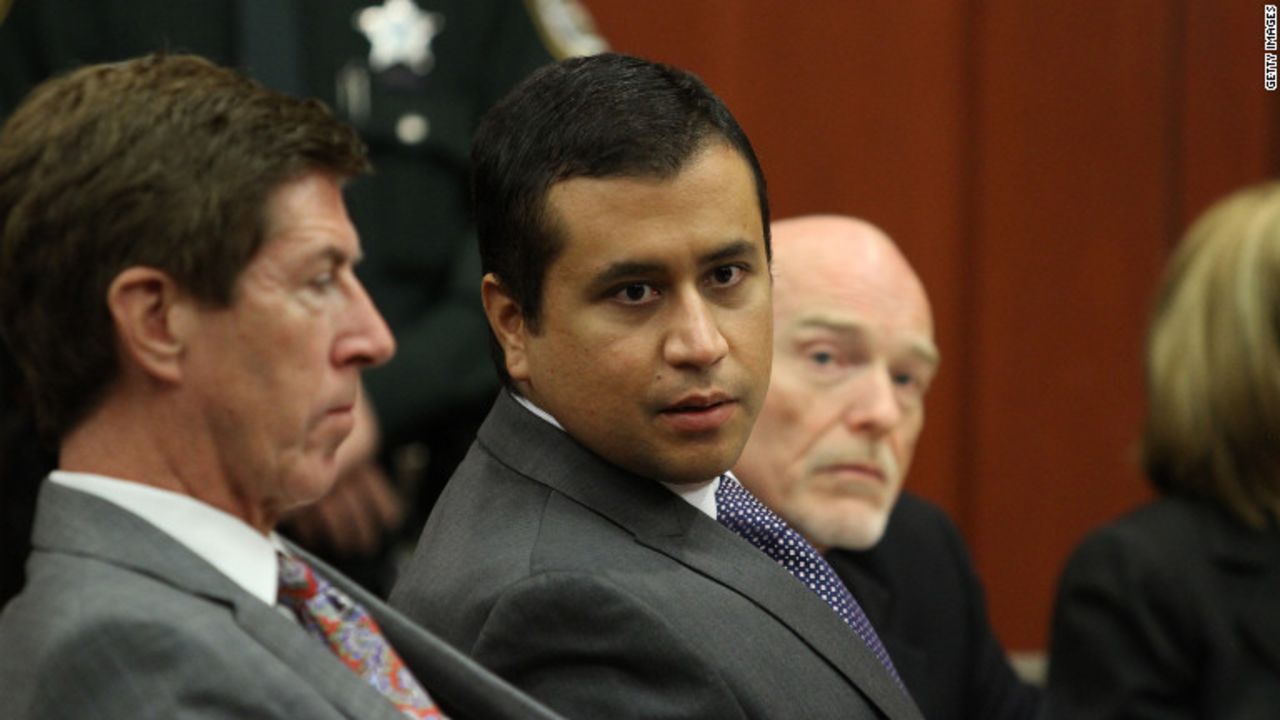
x: 726, y: 275
x: 822, y: 357
x: 635, y: 294
x: 322, y: 282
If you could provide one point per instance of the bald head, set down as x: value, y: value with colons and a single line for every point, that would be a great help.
x: 853, y: 357
x: 847, y: 262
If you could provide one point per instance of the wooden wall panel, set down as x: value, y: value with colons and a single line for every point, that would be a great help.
x: 1036, y: 160
x: 1072, y: 170
x: 1228, y: 129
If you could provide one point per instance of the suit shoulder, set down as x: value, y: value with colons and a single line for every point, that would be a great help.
x: 1156, y: 557
x: 1166, y: 528
x: 63, y: 587
x: 67, y: 646
x: 914, y: 511
x: 918, y: 526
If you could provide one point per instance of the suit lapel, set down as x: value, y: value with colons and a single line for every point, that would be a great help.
x: 457, y: 683
x: 1247, y: 563
x: 719, y: 554
x: 75, y: 522
x: 662, y: 521
x: 314, y: 662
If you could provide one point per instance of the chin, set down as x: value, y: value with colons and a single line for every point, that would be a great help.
x: 307, y: 485
x: 709, y: 468
x: 860, y: 531
x: 685, y: 464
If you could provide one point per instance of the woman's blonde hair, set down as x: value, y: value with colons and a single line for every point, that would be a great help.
x: 1213, y: 361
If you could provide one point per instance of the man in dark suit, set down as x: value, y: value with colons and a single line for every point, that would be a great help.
x: 853, y: 358
x: 177, y: 286
x: 623, y: 226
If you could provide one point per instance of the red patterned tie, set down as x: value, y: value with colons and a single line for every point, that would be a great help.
x: 352, y: 635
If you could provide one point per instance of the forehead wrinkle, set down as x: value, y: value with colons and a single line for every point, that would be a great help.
x: 917, y: 344
x: 829, y: 321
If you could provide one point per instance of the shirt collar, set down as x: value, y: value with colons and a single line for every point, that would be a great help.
x: 226, y: 542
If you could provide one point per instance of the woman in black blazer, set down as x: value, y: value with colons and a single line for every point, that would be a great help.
x: 1174, y: 610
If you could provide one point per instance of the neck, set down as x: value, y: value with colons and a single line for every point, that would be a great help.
x: 147, y: 440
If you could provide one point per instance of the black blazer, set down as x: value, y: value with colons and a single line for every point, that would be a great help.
x: 919, y: 589
x: 605, y: 595
x: 1171, y: 612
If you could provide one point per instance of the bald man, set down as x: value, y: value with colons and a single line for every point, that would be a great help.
x: 854, y: 356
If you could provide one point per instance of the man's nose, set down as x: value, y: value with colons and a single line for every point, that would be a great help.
x: 873, y: 404
x: 367, y: 341
x: 694, y: 340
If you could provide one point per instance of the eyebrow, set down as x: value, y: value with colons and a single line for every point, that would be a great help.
x: 921, y: 348
x: 338, y: 256
x: 729, y: 251
x: 632, y: 268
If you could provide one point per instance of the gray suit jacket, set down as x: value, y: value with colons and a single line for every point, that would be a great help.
x: 118, y: 620
x: 607, y: 596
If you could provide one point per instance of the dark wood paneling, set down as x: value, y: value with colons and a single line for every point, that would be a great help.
x: 1229, y: 128
x: 1072, y: 171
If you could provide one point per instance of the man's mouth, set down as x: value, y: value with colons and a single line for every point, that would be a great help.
x: 699, y: 412
x: 340, y: 409
x: 856, y: 469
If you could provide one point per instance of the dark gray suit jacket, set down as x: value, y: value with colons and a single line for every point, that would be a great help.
x: 118, y: 620
x: 607, y: 596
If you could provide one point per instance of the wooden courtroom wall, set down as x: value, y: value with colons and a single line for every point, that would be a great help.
x: 1036, y: 161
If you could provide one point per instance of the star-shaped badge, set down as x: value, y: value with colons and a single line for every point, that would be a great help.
x: 399, y: 32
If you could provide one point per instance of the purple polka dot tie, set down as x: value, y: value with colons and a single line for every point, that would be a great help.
x: 740, y: 511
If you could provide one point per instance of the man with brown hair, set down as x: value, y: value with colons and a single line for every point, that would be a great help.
x: 177, y: 286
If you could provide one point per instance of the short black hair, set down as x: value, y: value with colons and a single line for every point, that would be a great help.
x: 606, y: 115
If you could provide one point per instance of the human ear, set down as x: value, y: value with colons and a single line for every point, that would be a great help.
x: 147, y: 308
x: 508, y: 323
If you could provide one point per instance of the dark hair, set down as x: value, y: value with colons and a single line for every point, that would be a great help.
x: 164, y: 161
x: 606, y: 115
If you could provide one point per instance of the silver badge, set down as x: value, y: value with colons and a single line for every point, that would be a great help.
x: 399, y: 33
